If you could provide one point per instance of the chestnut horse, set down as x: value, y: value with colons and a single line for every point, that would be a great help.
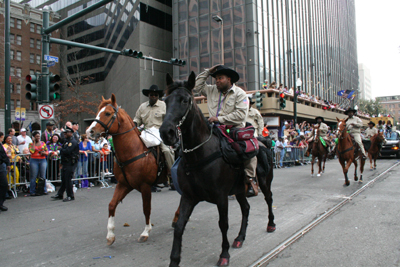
x: 346, y: 152
x: 373, y: 151
x: 135, y: 166
x: 203, y: 174
x: 318, y: 151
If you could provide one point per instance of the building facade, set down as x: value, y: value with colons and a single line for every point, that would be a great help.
x: 25, y: 53
x: 365, y: 82
x: 392, y: 105
x: 263, y: 39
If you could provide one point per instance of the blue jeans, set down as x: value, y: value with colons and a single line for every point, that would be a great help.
x: 38, y: 166
x: 283, y: 152
x: 82, y: 168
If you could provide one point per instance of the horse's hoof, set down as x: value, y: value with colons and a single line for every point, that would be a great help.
x: 110, y: 241
x: 346, y: 184
x: 271, y: 229
x: 237, y: 244
x: 323, y: 171
x: 173, y: 224
x: 356, y: 178
x: 223, y: 262
x: 143, y: 239
x: 375, y: 168
x: 312, y: 174
x: 371, y: 170
x: 318, y: 175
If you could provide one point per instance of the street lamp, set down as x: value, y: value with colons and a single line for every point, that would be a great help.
x: 299, y: 83
x: 219, y: 19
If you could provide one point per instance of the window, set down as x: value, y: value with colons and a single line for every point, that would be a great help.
x: 38, y: 29
x: 18, y: 103
x: 19, y: 55
x: 31, y: 72
x: 38, y: 44
x: 11, y: 71
x: 12, y: 54
x: 18, y: 88
x: 19, y: 72
x: 11, y: 88
x: 12, y: 38
x: 12, y: 105
x: 38, y: 59
x: 12, y: 20
x: 32, y: 59
x: 32, y: 27
x: 32, y: 43
x: 19, y: 40
x: 19, y: 24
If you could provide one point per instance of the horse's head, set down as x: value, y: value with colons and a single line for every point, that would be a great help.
x: 341, y: 127
x: 179, y: 103
x: 105, y: 118
x: 381, y: 137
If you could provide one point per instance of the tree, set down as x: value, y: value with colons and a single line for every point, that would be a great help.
x: 372, y: 106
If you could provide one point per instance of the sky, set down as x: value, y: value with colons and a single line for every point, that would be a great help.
x: 378, y: 43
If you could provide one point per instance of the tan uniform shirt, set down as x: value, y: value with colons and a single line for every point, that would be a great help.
x: 150, y: 116
x: 370, y: 132
x: 356, y: 128
x: 323, y: 129
x: 254, y: 117
x: 232, y: 108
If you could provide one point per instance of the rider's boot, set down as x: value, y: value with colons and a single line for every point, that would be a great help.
x: 252, y: 190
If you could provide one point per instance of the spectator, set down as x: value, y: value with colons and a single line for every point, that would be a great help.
x: 272, y: 85
x: 23, y: 140
x: 4, y: 168
x: 75, y: 127
x: 279, y: 152
x: 48, y: 133
x: 54, y: 157
x: 11, y: 132
x: 11, y: 149
x: 38, y: 162
x: 82, y: 172
x: 291, y: 91
x: 96, y: 147
x: 265, y: 84
x: 103, y: 159
x: 389, y: 129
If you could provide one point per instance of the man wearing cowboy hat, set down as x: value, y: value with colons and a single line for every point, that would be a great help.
x: 227, y: 104
x: 323, y: 130
x: 370, y: 131
x: 354, y: 125
x: 151, y: 114
x: 254, y: 118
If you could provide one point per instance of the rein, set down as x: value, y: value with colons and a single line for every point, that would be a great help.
x: 179, y: 131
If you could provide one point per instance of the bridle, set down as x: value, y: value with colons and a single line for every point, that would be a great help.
x: 111, y: 121
x: 179, y: 131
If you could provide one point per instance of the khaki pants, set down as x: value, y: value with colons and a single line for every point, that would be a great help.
x: 357, y: 138
x: 250, y: 167
x: 169, y: 155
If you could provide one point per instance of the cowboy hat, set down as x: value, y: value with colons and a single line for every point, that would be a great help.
x: 221, y: 69
x: 153, y: 89
x: 370, y: 122
x: 319, y: 117
x: 350, y: 109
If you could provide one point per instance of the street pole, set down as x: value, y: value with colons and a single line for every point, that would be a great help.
x: 295, y: 96
x: 45, y: 70
x: 7, y: 77
x: 219, y: 19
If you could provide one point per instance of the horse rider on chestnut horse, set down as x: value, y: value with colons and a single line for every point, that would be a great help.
x: 354, y: 125
x: 254, y: 118
x: 323, y: 130
x: 227, y: 104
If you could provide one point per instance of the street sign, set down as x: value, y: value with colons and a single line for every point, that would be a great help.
x: 17, y: 113
x: 23, y: 113
x: 46, y: 112
x: 50, y: 58
x: 51, y: 64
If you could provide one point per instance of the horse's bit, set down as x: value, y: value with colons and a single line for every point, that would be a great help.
x: 179, y: 131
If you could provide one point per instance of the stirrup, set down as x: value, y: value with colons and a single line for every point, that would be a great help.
x: 252, y: 190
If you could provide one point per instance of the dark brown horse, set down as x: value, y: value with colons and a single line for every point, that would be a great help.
x: 203, y: 174
x: 373, y: 151
x: 318, y: 151
x: 135, y: 166
x: 346, y: 152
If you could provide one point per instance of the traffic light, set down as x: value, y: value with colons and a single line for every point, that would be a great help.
x: 178, y: 62
x: 32, y: 87
x: 137, y: 54
x: 259, y: 98
x: 282, y: 101
x: 132, y: 53
x: 54, y: 87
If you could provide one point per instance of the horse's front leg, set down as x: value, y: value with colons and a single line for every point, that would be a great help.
x: 312, y: 165
x: 176, y: 216
x: 186, y: 208
x: 245, y: 208
x: 370, y: 162
x: 355, y: 170
x: 362, y: 163
x: 119, y: 194
x: 345, y: 167
x: 146, y: 199
x: 223, y: 225
x: 375, y: 160
x: 319, y: 165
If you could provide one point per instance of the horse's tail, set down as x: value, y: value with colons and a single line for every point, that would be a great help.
x: 267, y: 141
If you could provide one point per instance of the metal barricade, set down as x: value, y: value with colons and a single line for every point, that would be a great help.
x: 291, y: 156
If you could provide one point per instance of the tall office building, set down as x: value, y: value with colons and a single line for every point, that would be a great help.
x: 262, y: 39
x: 365, y: 82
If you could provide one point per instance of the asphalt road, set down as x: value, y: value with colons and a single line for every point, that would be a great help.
x: 37, y: 231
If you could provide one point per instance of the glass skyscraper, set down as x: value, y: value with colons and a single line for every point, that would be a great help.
x: 264, y: 39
